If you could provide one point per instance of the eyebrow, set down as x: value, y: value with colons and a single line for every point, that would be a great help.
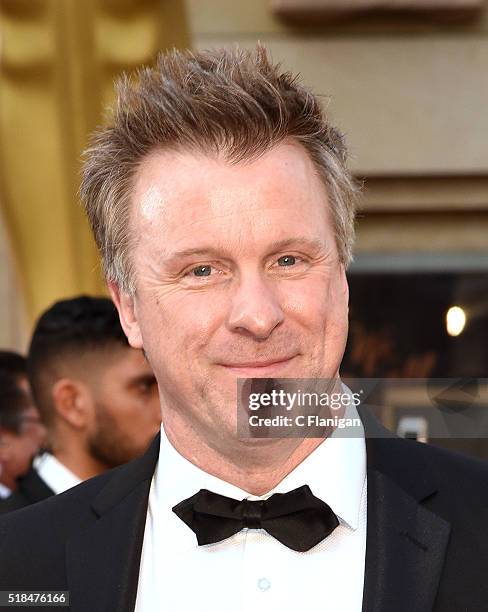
x: 314, y: 244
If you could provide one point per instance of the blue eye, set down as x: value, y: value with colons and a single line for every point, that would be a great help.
x: 201, y: 271
x: 287, y: 260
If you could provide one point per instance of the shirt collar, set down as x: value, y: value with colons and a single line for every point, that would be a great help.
x: 4, y: 491
x: 335, y: 472
x: 56, y: 475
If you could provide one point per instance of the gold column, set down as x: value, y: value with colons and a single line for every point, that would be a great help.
x: 58, y: 62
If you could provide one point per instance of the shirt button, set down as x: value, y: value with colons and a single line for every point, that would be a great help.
x: 264, y: 584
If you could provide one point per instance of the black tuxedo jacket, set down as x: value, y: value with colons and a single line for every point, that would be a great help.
x: 31, y: 489
x: 426, y: 549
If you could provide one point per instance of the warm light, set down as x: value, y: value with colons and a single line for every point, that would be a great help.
x: 455, y: 320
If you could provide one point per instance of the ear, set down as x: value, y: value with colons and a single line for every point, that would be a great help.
x: 73, y: 402
x: 125, y: 305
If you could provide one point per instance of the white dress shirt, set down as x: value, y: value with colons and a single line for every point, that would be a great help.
x: 251, y: 571
x: 4, y: 491
x: 56, y: 475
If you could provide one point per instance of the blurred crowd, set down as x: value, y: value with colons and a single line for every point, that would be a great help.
x: 80, y: 402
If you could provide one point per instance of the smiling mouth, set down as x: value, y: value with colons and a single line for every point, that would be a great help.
x: 258, y: 367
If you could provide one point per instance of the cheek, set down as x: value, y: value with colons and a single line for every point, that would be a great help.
x: 181, y: 322
x: 315, y: 305
x: 129, y: 412
x: 177, y: 332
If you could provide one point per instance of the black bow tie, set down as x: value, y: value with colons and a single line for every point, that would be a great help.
x: 297, y: 519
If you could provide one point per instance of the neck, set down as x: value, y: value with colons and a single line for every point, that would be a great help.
x: 256, y: 468
x: 254, y: 465
x: 78, y: 461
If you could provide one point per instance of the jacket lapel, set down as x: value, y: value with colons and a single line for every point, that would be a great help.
x: 102, y: 561
x: 406, y: 542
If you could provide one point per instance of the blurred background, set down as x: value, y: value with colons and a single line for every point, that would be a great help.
x: 407, y: 82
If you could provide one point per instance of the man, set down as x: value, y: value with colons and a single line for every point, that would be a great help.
x: 224, y: 213
x: 97, y: 396
x: 21, y: 430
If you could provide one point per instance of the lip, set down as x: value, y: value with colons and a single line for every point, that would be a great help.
x: 257, y: 368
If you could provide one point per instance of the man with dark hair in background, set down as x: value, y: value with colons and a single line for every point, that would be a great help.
x: 21, y: 430
x: 96, y: 395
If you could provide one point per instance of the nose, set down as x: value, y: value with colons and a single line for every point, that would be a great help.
x: 255, y: 310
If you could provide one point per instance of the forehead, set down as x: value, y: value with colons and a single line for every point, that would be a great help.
x: 183, y: 195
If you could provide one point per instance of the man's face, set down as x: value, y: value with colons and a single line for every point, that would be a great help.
x: 19, y: 449
x: 33, y: 431
x: 237, y: 275
x: 127, y: 411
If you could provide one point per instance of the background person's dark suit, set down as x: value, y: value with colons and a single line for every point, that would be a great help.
x: 427, y: 541
x: 31, y: 489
